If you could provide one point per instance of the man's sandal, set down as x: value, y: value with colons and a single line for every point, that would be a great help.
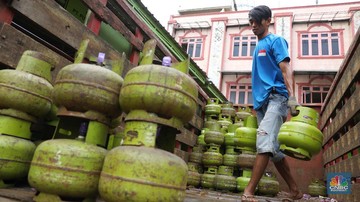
x: 248, y: 198
x: 289, y: 197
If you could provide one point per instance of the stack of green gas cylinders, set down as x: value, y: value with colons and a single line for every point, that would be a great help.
x: 83, y: 157
x: 225, y: 152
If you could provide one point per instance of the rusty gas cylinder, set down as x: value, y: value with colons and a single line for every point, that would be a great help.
x: 243, y: 113
x: 317, y: 188
x: 195, y: 157
x: 88, y: 88
x: 238, y: 122
x: 195, y: 167
x: 199, y: 148
x: 136, y: 173
x: 228, y: 109
x: 224, y: 180
x: 15, y: 157
x: 212, y: 107
x: 193, y: 178
x: 246, y: 159
x: 25, y: 98
x: 28, y: 88
x: 214, y: 134
x: 268, y: 185
x: 208, y: 178
x: 224, y: 120
x: 212, y: 157
x: 210, y: 120
x: 67, y: 168
x: 165, y: 91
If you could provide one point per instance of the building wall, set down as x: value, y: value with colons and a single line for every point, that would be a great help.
x: 320, y: 64
x: 287, y: 22
x: 312, y: 75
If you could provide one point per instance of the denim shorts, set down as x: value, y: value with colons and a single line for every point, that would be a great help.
x: 270, y: 117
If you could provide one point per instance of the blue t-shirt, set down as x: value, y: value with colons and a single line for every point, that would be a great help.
x: 266, y: 73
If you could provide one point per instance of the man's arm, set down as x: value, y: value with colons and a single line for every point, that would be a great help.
x: 287, y: 74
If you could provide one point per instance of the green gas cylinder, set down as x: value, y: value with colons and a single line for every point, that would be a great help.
x: 229, y: 136
x: 227, y: 108
x: 245, y: 137
x: 238, y: 122
x: 136, y: 173
x: 268, y: 185
x: 201, y: 137
x: 196, y: 156
x: 230, y: 157
x: 208, y: 178
x: 164, y: 91
x: 67, y: 168
x: 25, y: 99
x: 224, y: 179
x: 212, y: 107
x: 15, y: 157
x: 246, y: 159
x: 224, y: 120
x: 300, y: 138
x: 243, y: 112
x: 193, y: 178
x: 84, y: 87
x: 210, y: 120
x: 214, y: 134
x: 28, y: 88
x: 243, y: 180
x: 317, y: 188
x: 212, y: 157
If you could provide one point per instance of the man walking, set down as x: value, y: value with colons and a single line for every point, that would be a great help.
x: 273, y: 93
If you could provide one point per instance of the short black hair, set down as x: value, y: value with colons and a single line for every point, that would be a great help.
x: 259, y: 13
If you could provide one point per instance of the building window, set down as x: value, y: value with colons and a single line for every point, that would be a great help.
x: 314, y: 94
x: 240, y: 94
x: 322, y: 44
x: 193, y: 46
x: 243, y: 46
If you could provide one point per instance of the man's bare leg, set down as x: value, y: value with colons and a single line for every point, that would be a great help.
x: 283, y: 168
x: 261, y: 161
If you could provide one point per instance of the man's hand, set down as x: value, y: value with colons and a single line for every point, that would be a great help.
x: 292, y: 104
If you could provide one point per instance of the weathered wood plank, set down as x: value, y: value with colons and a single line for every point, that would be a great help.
x: 354, y: 196
x: 343, y: 116
x: 187, y: 137
x: 182, y: 154
x: 131, y: 13
x: 107, y: 16
x: 351, y: 165
x: 201, y: 103
x: 52, y: 17
x: 197, y: 122
x: 17, y: 194
x: 346, y: 143
x: 13, y: 43
x: 350, y: 69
